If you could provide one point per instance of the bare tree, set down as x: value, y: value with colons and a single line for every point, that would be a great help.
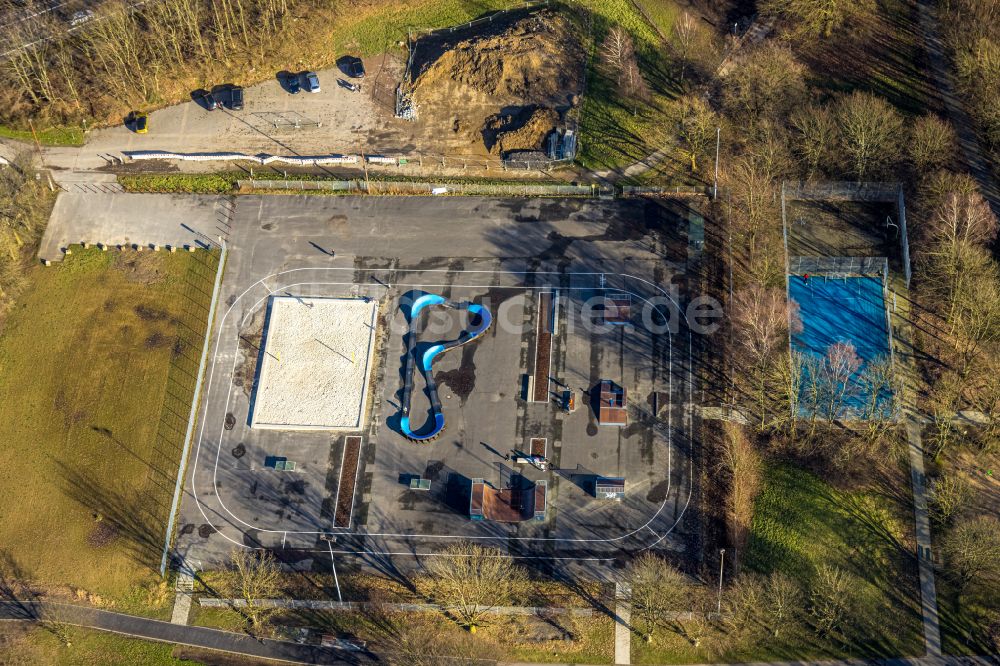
x: 696, y: 124
x: 931, y: 143
x: 976, y: 317
x: 816, y: 137
x: 754, y: 195
x: 812, y: 387
x: 831, y: 599
x: 944, y: 396
x: 964, y: 217
x: 683, y: 40
x: 690, y: 44
x: 819, y: 18
x: 972, y: 551
x: 619, y: 57
x: 949, y: 493
x: 870, y: 130
x: 760, y: 319
x: 781, y: 602
x: 252, y: 577
x: 838, y: 367
x: 471, y: 580
x: 656, y: 589
x: 985, y: 396
x: 617, y: 52
x: 420, y: 639
x: 765, y: 83
x: 742, y: 465
x: 765, y: 603
x: 878, y: 381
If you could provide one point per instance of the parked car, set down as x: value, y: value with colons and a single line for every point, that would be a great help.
x: 137, y: 121
x: 236, y: 98
x: 209, y: 101
x: 357, y: 68
x: 312, y: 82
x: 292, y: 83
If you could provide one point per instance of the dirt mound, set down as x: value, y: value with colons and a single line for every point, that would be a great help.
x: 525, y: 130
x: 467, y: 83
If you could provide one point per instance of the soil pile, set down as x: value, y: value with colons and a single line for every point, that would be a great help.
x: 525, y: 130
x: 499, y: 85
x: 535, y: 59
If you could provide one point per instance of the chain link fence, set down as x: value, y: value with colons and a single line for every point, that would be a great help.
x: 665, y: 190
x: 853, y: 191
x: 429, y: 188
x: 841, y: 191
x: 838, y: 266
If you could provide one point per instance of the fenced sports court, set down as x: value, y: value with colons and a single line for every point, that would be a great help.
x: 844, y: 237
x: 843, y: 299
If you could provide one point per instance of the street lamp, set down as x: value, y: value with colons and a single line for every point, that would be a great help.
x: 722, y: 559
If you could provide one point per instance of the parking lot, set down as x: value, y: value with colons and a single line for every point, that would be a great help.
x: 499, y: 252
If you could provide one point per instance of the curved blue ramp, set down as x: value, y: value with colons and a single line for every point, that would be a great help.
x: 483, y: 319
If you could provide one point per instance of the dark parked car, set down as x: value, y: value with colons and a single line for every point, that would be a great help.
x: 292, y: 83
x: 209, y: 102
x: 312, y: 82
x: 357, y: 68
x: 236, y: 98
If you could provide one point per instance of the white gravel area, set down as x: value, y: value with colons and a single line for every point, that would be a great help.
x: 316, y: 364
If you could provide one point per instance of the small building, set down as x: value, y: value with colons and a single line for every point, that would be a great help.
x: 609, y: 488
x: 617, y: 309
x: 541, y: 490
x: 612, y: 404
x: 476, y: 499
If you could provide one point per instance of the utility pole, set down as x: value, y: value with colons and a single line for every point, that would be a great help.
x: 722, y: 559
x: 715, y: 188
x: 364, y: 164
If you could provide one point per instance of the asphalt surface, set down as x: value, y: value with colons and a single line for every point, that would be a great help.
x: 481, y: 249
x: 135, y: 219
x: 157, y: 630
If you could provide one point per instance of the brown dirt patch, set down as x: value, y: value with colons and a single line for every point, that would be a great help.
x: 141, y: 267
x: 525, y: 130
x: 543, y: 348
x: 463, y: 79
x: 348, y: 479
x: 102, y: 535
x: 155, y: 340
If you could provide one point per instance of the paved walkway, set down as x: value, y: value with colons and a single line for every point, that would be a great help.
x: 226, y: 641
x: 157, y: 630
x: 928, y: 592
x: 972, y: 152
x: 182, y: 600
x: 623, y: 624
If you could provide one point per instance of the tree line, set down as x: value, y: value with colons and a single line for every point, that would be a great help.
x: 129, y: 55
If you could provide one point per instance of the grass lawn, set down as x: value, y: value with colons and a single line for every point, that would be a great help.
x: 802, y: 522
x: 613, y: 131
x: 560, y: 639
x: 49, y: 136
x: 966, y: 615
x: 181, y: 183
x: 97, y: 367
x: 379, y: 28
x: 662, y: 13
x: 25, y: 644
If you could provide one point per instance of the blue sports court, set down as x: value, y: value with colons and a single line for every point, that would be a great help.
x: 842, y: 309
